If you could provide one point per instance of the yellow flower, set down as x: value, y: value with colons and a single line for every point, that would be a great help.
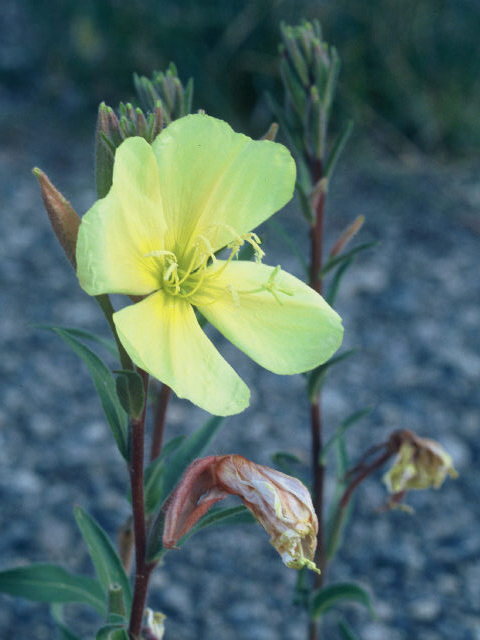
x: 280, y: 503
x: 199, y: 188
x: 420, y: 463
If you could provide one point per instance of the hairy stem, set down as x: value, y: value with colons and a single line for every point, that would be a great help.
x: 159, y: 421
x: 142, y: 569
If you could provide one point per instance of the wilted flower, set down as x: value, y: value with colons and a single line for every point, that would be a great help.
x: 280, y: 503
x: 154, y: 628
x: 172, y: 206
x: 420, y: 463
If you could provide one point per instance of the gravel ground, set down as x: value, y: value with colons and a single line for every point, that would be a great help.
x: 412, y: 308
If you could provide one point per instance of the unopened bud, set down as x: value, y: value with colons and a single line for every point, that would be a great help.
x: 154, y: 628
x: 63, y: 217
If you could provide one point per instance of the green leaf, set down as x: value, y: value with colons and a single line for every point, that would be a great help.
x: 184, y: 455
x: 338, y: 148
x: 346, y: 631
x: 51, y: 583
x: 108, y: 566
x: 283, y: 460
x: 112, y: 632
x: 154, y: 473
x: 331, y: 263
x: 328, y: 597
x: 221, y: 516
x: 84, y: 335
x: 65, y: 632
x: 130, y: 392
x: 340, y: 430
x: 105, y: 387
x: 317, y: 377
x: 335, y: 284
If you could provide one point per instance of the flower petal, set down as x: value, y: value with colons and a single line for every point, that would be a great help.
x: 273, y: 317
x: 120, y: 229
x: 213, y: 179
x: 162, y: 336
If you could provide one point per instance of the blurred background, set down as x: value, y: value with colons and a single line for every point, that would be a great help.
x: 410, y: 71
x: 410, y: 80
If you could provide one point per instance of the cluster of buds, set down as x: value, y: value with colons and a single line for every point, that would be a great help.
x: 309, y: 70
x: 280, y: 503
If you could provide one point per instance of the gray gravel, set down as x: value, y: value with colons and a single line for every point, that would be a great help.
x: 411, y: 305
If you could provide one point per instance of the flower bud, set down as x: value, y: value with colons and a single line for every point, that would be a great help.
x: 420, y: 463
x: 63, y: 217
x: 280, y: 503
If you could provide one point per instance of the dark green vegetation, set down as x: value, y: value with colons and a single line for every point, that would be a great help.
x: 410, y: 69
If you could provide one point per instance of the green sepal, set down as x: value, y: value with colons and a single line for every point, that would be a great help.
x: 108, y: 566
x: 184, y: 455
x: 154, y: 472
x: 105, y: 386
x: 346, y: 631
x: 328, y: 597
x: 64, y: 632
x: 112, y: 632
x: 340, y: 430
x: 130, y: 391
x: 104, y: 157
x: 51, y: 583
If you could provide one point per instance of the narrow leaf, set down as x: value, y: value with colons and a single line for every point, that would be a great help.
x: 283, y: 460
x: 340, y: 430
x: 84, y: 335
x: 186, y: 453
x: 105, y: 387
x: 51, y: 583
x: 335, y: 284
x: 316, y: 377
x: 328, y: 597
x: 112, y: 632
x: 337, y: 150
x: 154, y: 473
x: 108, y: 565
x: 346, y: 631
x: 130, y: 392
x: 64, y: 632
x: 331, y: 263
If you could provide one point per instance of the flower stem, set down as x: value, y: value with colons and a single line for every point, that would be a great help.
x: 316, y: 247
x: 142, y: 569
x: 159, y: 421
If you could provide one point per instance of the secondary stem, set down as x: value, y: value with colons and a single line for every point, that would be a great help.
x: 316, y: 246
x: 159, y: 421
x: 142, y: 569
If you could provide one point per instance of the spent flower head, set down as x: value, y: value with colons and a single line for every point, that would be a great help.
x: 420, y: 464
x: 280, y: 503
x: 173, y: 205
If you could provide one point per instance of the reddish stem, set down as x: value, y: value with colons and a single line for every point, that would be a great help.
x: 142, y: 569
x: 316, y: 247
x: 159, y: 421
